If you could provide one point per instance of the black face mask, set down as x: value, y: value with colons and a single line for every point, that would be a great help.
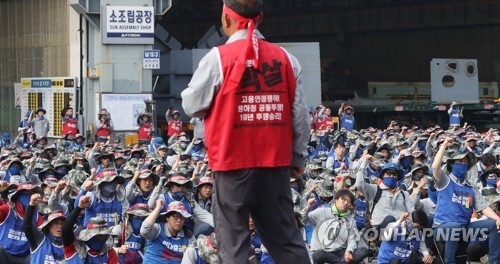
x: 108, y: 189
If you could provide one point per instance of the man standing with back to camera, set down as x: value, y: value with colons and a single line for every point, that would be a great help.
x: 256, y: 130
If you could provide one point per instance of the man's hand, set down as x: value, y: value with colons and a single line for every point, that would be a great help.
x: 60, y: 185
x: 159, y: 204
x: 123, y: 249
x: 314, y: 186
x: 348, y: 256
x: 403, y: 216
x: 296, y: 173
x: 427, y: 259
x: 35, y: 199
x: 3, y: 186
x: 310, y: 203
x: 159, y: 169
x: 84, y: 201
x: 448, y: 142
x: 88, y: 185
x: 422, y: 182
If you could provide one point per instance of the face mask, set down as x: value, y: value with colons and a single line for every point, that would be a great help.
x: 96, y: 244
x: 24, y: 199
x: 421, y: 145
x: 491, y: 182
x: 296, y: 188
x: 183, y: 146
x: 405, y: 163
x: 178, y: 195
x: 418, y: 177
x: 196, y: 147
x: 136, y: 156
x: 62, y: 170
x: 108, y: 189
x: 390, y: 182
x: 52, y: 238
x: 459, y: 170
x: 70, y: 116
x: 145, y: 194
x: 15, y: 171
x: 136, y: 225
x: 42, y: 118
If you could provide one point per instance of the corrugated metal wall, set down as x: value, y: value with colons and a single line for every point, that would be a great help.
x: 34, y: 42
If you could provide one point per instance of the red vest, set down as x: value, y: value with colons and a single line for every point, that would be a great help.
x: 174, y: 127
x: 103, y: 132
x: 328, y: 123
x: 250, y: 124
x: 145, y: 131
x: 70, y: 125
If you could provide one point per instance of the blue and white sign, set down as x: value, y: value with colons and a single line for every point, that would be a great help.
x: 128, y: 25
x: 151, y: 59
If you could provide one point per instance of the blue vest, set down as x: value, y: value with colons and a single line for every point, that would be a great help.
x: 106, y: 210
x: 134, y: 253
x: 13, y: 238
x: 139, y: 199
x: 347, y: 122
x: 47, y: 253
x: 396, y: 249
x: 455, y: 203
x: 198, y: 154
x: 320, y: 150
x: 371, y: 172
x: 78, y: 147
x: 455, y: 117
x: 165, y: 249
x: 336, y: 163
x: 359, y: 213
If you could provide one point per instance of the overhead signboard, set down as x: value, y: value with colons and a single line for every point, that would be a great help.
x: 151, y: 59
x: 128, y: 25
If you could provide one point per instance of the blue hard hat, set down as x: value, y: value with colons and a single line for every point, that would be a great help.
x: 391, y: 166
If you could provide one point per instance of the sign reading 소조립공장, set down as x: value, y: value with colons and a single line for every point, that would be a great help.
x: 151, y: 59
x: 128, y: 25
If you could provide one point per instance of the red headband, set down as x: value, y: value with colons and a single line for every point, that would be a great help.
x: 250, y: 55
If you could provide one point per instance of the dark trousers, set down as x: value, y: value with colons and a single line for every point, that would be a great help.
x: 6, y: 258
x: 265, y: 194
x: 337, y: 257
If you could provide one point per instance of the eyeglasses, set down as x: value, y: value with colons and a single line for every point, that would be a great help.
x: 177, y: 217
